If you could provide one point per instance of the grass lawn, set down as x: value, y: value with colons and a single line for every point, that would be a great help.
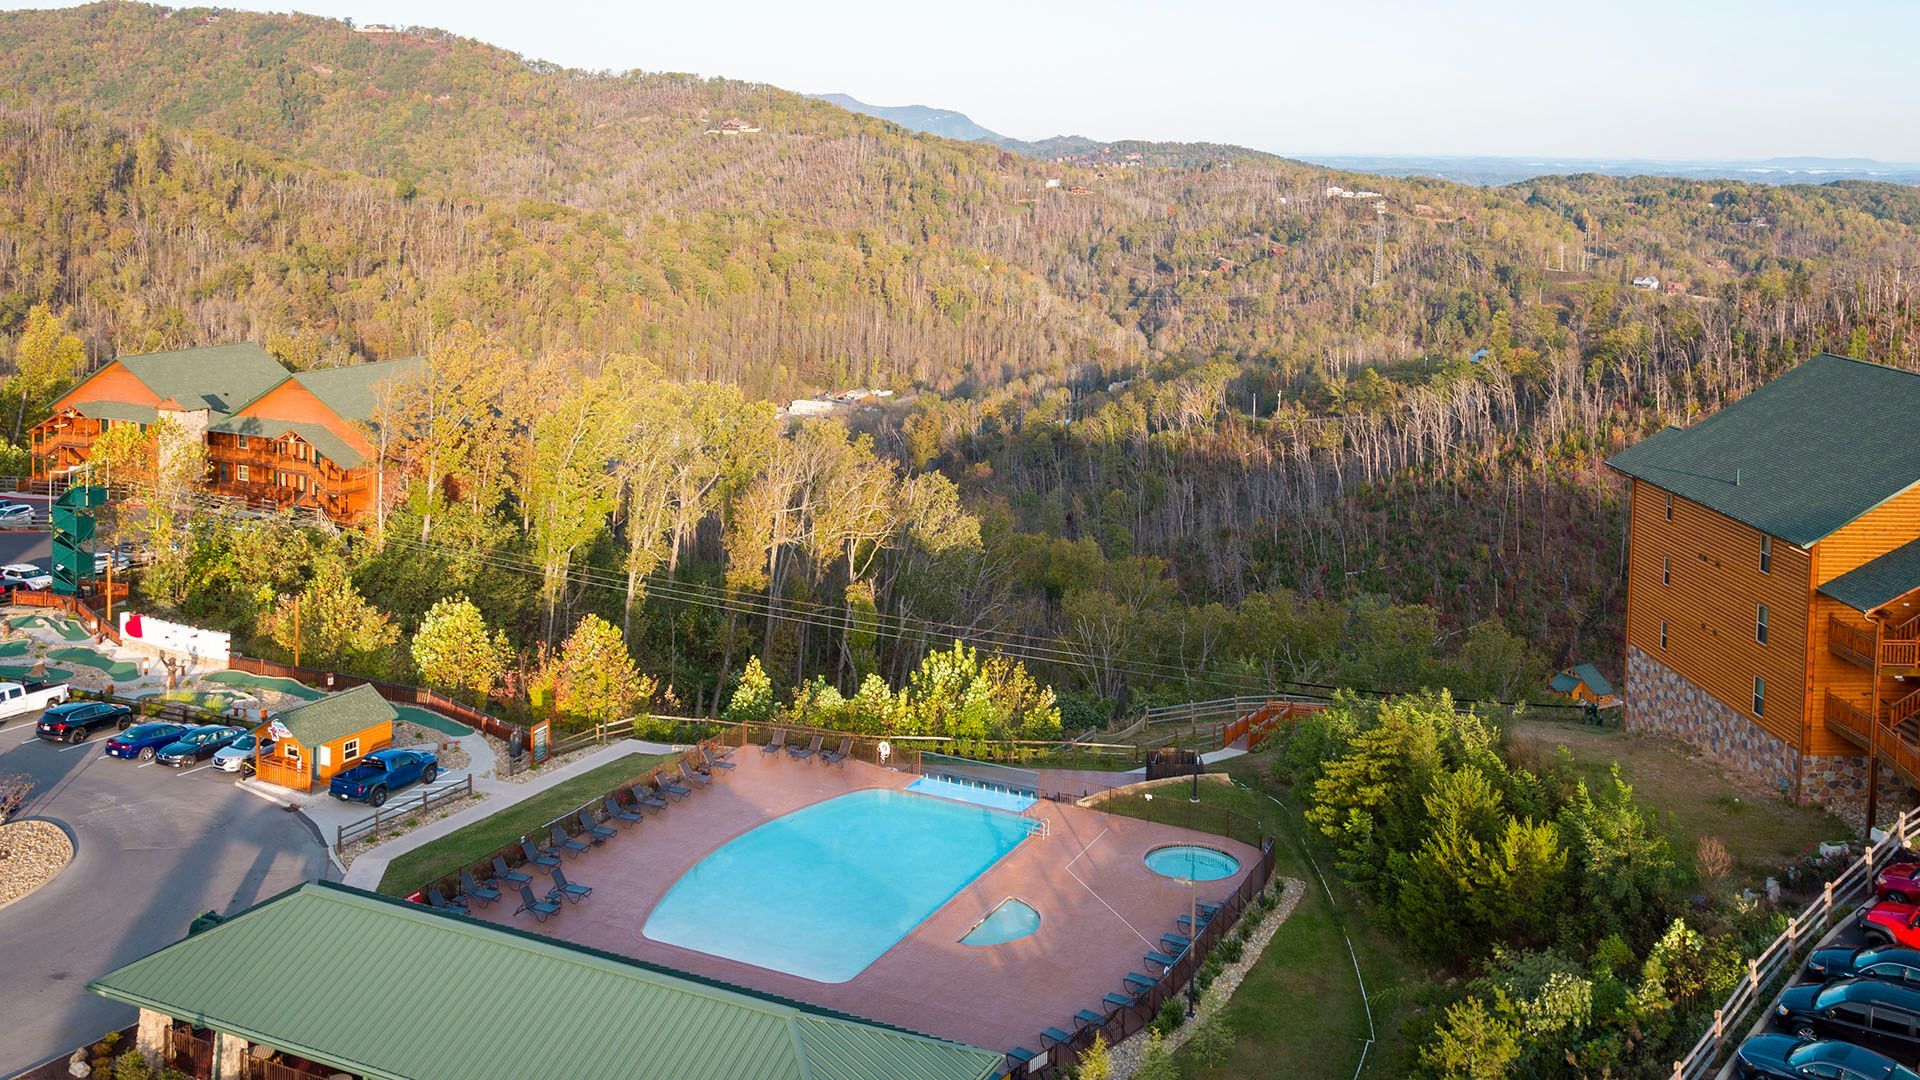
x: 1299, y: 1012
x: 1693, y: 798
x: 454, y: 850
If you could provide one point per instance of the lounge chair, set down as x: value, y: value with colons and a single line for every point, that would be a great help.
x: 1158, y: 958
x: 692, y: 777
x: 725, y: 750
x: 779, y: 740
x: 1020, y: 1055
x: 715, y: 762
x: 1055, y: 1036
x: 1176, y: 942
x: 571, y: 890
x: 473, y: 890
x: 1135, y: 979
x: 540, y: 908
x: 595, y: 831
x: 563, y: 842
x: 644, y: 796
x: 835, y: 757
x: 668, y: 787
x: 543, y: 861
x: 616, y: 812
x: 501, y: 872
x: 1086, y: 1017
x: 1121, y: 1001
x: 1209, y: 909
x: 812, y: 749
x: 1185, y: 920
x: 439, y: 900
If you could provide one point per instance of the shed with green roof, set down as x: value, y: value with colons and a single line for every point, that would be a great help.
x: 316, y: 739
x: 383, y: 988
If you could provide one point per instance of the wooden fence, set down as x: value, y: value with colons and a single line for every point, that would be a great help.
x: 1781, y: 958
x: 394, y: 692
x: 400, y: 810
x: 78, y: 609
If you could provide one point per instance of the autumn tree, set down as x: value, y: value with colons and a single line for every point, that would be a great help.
x: 596, y: 679
x: 329, y: 625
x: 453, y: 649
x: 46, y: 360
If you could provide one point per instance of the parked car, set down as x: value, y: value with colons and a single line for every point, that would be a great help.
x: 15, y: 515
x: 237, y: 756
x: 383, y: 772
x: 1890, y: 922
x: 197, y: 744
x: 1898, y: 881
x: 76, y: 721
x: 1783, y: 1057
x: 17, y: 698
x: 1889, y: 963
x: 143, y: 741
x: 25, y: 575
x: 1851, y: 1009
x: 118, y: 559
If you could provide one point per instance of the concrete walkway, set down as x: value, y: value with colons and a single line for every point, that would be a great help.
x: 368, y: 869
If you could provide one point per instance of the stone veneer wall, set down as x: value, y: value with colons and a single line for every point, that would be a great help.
x: 1661, y: 701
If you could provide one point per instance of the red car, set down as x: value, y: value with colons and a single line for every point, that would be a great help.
x: 1892, y: 922
x: 1899, y: 881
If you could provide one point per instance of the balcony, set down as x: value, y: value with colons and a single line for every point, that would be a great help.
x: 1898, y: 648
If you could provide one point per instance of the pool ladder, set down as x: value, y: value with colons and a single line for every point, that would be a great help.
x: 1039, y: 826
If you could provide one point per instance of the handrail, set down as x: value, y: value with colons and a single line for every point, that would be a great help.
x: 1849, y: 642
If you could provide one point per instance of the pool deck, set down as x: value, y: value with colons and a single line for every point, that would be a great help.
x: 995, y: 997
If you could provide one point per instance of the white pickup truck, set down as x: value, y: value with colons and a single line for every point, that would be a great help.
x: 17, y: 698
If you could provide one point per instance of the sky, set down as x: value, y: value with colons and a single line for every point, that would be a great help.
x: 1564, y: 78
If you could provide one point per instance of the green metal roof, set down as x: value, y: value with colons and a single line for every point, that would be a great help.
x: 1882, y: 581
x: 124, y: 411
x: 1566, y: 681
x: 354, y: 392
x: 1798, y: 458
x: 219, y: 377
x: 337, y: 716
x: 453, y: 997
x: 335, y: 448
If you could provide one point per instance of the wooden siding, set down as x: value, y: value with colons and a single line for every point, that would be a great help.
x: 111, y: 383
x: 1709, y: 608
x: 1846, y: 680
x: 1871, y: 535
x: 295, y: 403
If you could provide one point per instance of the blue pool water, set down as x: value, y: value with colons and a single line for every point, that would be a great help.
x: 822, y: 892
x: 1192, y: 862
x: 983, y: 794
x: 1010, y: 920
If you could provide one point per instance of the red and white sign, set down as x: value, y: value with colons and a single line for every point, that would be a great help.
x: 179, y: 639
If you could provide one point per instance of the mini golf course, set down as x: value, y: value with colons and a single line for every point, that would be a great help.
x: 117, y: 670
x: 266, y: 682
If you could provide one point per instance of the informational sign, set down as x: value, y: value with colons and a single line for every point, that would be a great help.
x: 178, y: 639
x: 541, y: 732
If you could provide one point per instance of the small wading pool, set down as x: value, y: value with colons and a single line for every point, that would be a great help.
x: 1009, y: 921
x: 1192, y: 862
x: 989, y: 795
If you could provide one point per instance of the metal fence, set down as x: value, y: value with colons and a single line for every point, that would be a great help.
x: 1781, y: 957
x: 400, y: 810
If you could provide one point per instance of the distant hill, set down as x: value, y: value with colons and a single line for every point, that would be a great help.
x: 942, y: 122
x: 1492, y: 171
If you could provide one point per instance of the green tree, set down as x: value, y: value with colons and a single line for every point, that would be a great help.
x: 1097, y: 1062
x: 333, y: 626
x: 596, y: 678
x: 1472, y: 1043
x: 752, y: 701
x: 454, y: 651
x: 1156, y: 1062
x: 46, y: 360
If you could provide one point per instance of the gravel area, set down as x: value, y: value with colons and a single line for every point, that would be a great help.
x: 402, y: 827
x: 1127, y: 1055
x: 453, y: 757
x: 31, y: 853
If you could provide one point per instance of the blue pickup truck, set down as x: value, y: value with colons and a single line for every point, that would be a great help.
x: 383, y: 772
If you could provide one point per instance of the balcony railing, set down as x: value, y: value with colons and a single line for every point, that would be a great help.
x: 1849, y: 642
x: 1895, y: 747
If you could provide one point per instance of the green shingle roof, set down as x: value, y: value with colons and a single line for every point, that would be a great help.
x: 218, y: 377
x: 1798, y: 458
x: 1882, y: 581
x: 337, y: 716
x: 1566, y: 681
x: 452, y: 997
x: 333, y: 446
x: 125, y: 411
x: 354, y: 392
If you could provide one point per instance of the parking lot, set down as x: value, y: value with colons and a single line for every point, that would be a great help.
x: 154, y: 847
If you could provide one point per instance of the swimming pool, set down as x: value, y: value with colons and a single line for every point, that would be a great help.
x: 824, y: 891
x: 998, y: 798
x: 1010, y: 920
x: 1192, y: 862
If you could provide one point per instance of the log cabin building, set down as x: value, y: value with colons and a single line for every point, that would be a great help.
x: 274, y: 437
x: 1773, y: 584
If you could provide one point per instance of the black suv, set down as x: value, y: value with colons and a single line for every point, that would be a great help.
x: 76, y: 720
x: 1852, y: 1009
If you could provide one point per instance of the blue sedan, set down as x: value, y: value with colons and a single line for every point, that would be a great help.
x: 143, y: 741
x: 383, y: 772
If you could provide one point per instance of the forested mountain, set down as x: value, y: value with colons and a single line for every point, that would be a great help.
x: 942, y: 122
x: 1210, y: 417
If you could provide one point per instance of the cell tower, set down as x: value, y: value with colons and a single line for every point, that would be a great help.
x: 1379, y: 241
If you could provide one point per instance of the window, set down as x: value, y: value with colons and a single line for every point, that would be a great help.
x: 243, y: 442
x: 1663, y: 635
x: 1766, y: 554
x: 242, y: 473
x: 280, y: 479
x: 1669, y: 506
x: 289, y: 749
x: 1759, y: 696
x: 349, y: 750
x: 1847, y: 1013
x: 1760, y: 624
x: 1891, y: 1022
x: 1666, y: 569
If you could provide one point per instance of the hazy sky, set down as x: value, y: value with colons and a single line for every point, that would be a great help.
x: 1684, y: 78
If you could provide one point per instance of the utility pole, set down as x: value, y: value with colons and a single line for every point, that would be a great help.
x: 1379, y: 241
x: 296, y: 630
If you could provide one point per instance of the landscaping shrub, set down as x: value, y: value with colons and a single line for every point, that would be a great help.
x: 1211, y: 1043
x: 1173, y: 1013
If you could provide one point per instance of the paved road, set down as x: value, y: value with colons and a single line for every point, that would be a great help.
x: 25, y: 545
x: 156, y: 847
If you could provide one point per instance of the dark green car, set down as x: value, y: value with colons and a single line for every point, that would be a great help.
x: 1783, y: 1057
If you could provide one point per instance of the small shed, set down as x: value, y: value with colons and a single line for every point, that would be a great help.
x: 313, y: 741
x: 1583, y: 683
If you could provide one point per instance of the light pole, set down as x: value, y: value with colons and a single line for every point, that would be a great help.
x: 1193, y: 935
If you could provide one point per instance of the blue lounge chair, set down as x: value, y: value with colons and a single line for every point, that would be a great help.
x: 836, y: 757
x: 692, y: 777
x: 540, y: 908
x: 725, y: 750
x: 715, y: 762
x: 502, y: 873
x: 779, y: 740
x: 439, y: 900
x: 616, y: 812
x: 1160, y: 958
x: 668, y: 787
x: 541, y: 860
x: 1176, y: 942
x: 1020, y: 1055
x: 563, y: 842
x: 472, y: 890
x: 599, y: 833
x: 571, y: 890
x: 1185, y: 921
x: 1121, y: 1001
x: 1055, y: 1036
x: 811, y: 749
x: 1087, y: 1016
x: 1209, y: 908
x: 1135, y: 979
x: 644, y: 796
